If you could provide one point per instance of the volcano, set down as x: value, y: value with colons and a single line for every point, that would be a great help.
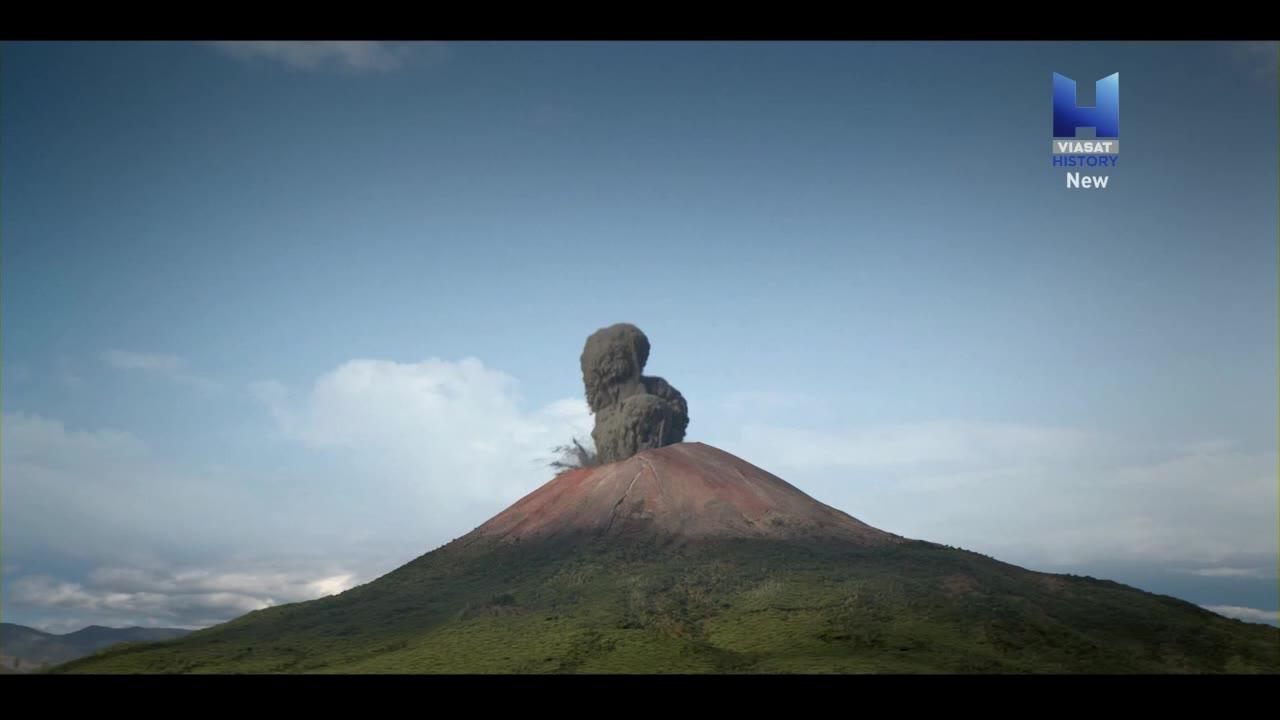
x: 680, y: 492
x: 685, y: 558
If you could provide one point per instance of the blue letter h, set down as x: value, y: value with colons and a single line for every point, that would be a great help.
x: 1104, y: 117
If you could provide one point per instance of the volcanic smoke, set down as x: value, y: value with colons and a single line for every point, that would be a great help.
x: 633, y: 412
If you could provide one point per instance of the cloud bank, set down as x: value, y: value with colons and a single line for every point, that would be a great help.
x: 388, y: 460
x: 1247, y: 614
x: 186, y: 599
x: 1044, y: 496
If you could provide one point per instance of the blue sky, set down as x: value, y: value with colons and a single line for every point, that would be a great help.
x: 278, y: 318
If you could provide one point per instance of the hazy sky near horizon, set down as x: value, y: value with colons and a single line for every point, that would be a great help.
x: 278, y: 318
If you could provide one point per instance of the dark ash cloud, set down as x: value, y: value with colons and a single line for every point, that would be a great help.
x: 632, y: 411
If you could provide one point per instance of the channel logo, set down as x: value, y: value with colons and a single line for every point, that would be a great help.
x: 1070, y: 149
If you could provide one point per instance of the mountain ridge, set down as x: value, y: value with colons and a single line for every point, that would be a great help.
x: 26, y: 649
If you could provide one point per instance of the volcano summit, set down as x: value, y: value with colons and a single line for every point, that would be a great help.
x: 679, y: 493
x: 680, y: 557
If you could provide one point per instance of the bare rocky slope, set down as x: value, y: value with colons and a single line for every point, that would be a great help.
x: 687, y: 490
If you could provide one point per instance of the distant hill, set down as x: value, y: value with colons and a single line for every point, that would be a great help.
x: 24, y: 649
x: 688, y: 559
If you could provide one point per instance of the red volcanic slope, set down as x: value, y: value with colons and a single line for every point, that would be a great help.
x: 685, y: 490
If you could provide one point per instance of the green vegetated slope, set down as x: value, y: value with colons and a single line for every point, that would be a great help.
x: 715, y: 606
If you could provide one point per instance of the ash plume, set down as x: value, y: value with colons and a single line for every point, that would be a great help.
x: 633, y: 411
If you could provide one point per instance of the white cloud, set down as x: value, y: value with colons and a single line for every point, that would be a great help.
x: 86, y: 493
x: 269, y: 586
x: 1034, y: 495
x: 376, y: 463
x: 191, y: 598
x: 912, y: 447
x: 1228, y: 572
x: 60, y: 626
x: 1247, y: 614
x: 346, y: 55
x: 33, y: 440
x: 437, y: 435
x: 169, y: 366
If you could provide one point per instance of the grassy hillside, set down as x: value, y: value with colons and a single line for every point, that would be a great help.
x: 716, y: 606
